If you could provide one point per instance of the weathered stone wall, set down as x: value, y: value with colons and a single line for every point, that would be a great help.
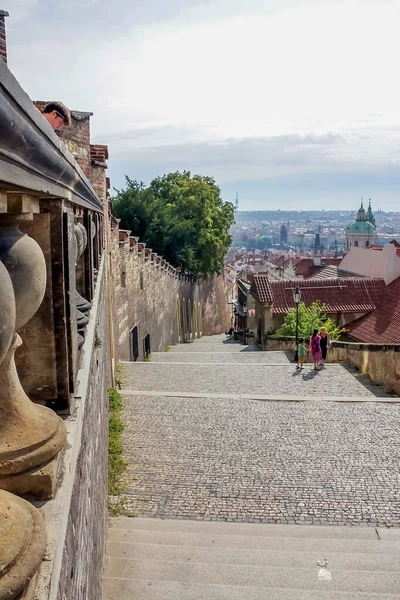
x: 166, y: 305
x: 380, y: 363
x: 82, y: 560
x: 213, y: 297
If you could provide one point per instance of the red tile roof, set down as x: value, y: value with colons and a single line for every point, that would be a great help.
x: 305, y: 266
x: 382, y: 326
x: 261, y: 288
x: 345, y: 295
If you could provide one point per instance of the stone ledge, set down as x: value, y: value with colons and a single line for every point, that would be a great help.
x: 39, y: 482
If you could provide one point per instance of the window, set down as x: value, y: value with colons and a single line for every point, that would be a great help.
x: 356, y: 244
x: 367, y: 244
x: 123, y: 279
x: 141, y: 281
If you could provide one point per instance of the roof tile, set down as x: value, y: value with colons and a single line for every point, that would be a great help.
x: 382, y: 326
x: 345, y: 295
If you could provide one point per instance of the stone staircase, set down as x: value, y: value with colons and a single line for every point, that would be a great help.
x: 153, y: 559
x: 186, y: 473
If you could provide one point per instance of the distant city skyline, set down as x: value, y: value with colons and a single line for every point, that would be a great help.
x: 288, y: 102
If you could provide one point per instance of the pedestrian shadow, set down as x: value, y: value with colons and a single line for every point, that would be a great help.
x: 251, y: 349
x: 310, y: 375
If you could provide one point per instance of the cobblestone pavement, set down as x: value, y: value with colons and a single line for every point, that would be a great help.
x: 243, y: 460
x: 223, y: 346
x: 249, y: 379
x: 224, y: 357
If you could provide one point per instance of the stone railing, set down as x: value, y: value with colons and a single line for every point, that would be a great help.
x: 380, y: 362
x: 51, y: 240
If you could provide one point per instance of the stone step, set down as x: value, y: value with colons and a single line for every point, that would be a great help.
x: 270, y: 577
x: 248, y: 529
x: 281, y: 543
x: 254, y: 557
x: 140, y: 589
x: 237, y: 358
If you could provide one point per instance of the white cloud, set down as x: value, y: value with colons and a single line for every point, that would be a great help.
x: 302, y: 66
x: 19, y: 9
x: 229, y: 69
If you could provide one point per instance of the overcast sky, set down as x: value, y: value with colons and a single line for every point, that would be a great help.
x: 292, y: 103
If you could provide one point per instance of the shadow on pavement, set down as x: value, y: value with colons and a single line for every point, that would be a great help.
x: 310, y: 375
x: 377, y: 390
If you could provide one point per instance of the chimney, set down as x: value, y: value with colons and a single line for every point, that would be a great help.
x: 3, y: 42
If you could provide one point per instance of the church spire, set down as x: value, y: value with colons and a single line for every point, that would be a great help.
x: 361, y: 212
x: 370, y: 214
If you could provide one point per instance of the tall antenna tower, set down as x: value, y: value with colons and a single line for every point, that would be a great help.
x: 237, y: 202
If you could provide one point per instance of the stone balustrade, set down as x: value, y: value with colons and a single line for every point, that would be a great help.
x: 51, y: 243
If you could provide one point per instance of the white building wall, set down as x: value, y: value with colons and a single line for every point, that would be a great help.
x: 384, y: 263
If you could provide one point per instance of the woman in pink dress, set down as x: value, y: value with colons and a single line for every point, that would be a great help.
x: 315, y: 348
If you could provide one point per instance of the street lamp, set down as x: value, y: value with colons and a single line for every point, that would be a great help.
x: 245, y: 311
x: 297, y: 299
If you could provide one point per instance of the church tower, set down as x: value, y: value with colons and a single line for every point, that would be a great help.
x: 362, y: 233
x: 317, y: 249
x: 237, y: 202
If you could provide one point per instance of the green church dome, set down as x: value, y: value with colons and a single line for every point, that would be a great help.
x: 361, y: 227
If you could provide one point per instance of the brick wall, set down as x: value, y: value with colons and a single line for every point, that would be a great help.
x: 3, y: 40
x: 100, y: 183
x: 77, y: 138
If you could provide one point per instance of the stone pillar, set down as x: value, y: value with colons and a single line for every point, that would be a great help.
x: 30, y: 435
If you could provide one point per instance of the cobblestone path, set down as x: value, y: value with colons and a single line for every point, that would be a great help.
x: 225, y: 456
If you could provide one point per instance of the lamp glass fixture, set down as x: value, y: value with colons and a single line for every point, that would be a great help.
x: 296, y: 295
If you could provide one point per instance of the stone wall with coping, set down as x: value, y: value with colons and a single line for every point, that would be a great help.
x: 161, y: 302
x: 82, y: 562
x: 77, y: 517
x: 380, y: 362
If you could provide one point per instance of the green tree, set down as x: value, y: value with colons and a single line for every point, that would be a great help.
x: 181, y: 217
x: 310, y: 318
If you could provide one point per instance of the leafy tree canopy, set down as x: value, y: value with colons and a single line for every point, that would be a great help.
x: 310, y: 318
x: 181, y: 217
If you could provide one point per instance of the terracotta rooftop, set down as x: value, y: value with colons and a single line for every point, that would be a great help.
x: 382, y: 326
x: 305, y: 266
x: 333, y: 272
x: 345, y: 295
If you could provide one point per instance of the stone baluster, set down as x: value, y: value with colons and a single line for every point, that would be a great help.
x: 22, y: 544
x: 82, y: 305
x: 30, y: 435
x: 93, y: 235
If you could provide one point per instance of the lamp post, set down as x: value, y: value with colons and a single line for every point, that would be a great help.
x: 245, y: 323
x: 297, y: 299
